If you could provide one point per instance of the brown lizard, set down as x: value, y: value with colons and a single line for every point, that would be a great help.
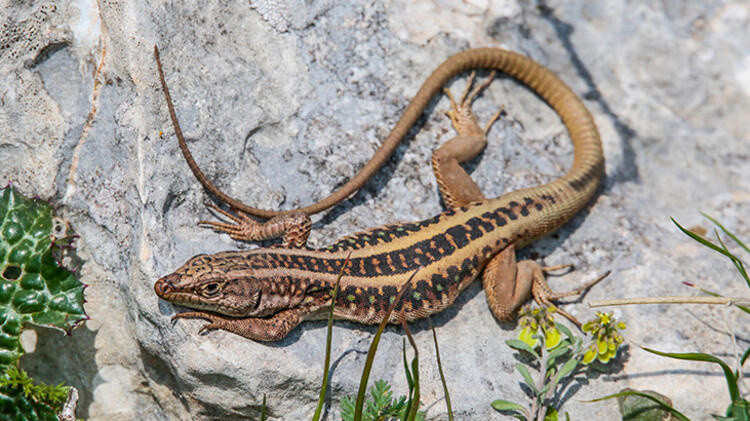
x: 262, y: 294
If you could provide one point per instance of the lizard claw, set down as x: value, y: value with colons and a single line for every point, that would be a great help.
x: 548, y: 269
x: 207, y: 328
x: 460, y: 113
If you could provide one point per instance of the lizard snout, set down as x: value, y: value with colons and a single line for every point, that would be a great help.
x: 164, y: 285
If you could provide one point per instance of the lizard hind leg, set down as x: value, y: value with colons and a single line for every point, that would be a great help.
x: 456, y: 186
x: 293, y: 228
x: 509, y: 284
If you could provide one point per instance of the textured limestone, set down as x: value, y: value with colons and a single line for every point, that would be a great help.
x: 284, y: 101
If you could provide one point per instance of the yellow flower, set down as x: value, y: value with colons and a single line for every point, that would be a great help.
x: 552, y: 337
x: 604, y: 318
x: 527, y: 335
x: 589, y: 356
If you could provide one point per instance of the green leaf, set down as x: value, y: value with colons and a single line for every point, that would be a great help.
x: 739, y: 410
x: 503, y: 405
x: 347, y: 408
x: 661, y: 404
x: 562, y: 328
x: 22, y: 399
x: 521, y: 346
x: 567, y: 368
x: 527, y: 377
x: 551, y: 414
x: 507, y: 406
x: 560, y: 350
x: 731, y: 379
x: 33, y: 287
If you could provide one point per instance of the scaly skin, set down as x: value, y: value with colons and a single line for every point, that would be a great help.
x: 264, y: 293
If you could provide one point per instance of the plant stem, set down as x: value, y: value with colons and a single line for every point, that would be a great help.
x: 539, y: 407
x: 672, y: 300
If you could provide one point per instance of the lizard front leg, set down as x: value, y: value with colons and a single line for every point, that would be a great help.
x: 456, y: 186
x: 293, y: 228
x: 509, y: 284
x: 269, y: 329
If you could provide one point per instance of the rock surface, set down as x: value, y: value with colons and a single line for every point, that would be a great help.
x: 284, y: 101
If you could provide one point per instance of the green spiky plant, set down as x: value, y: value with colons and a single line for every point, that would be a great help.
x: 34, y: 288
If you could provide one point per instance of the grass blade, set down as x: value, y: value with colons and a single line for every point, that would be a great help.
x: 263, y: 409
x: 413, y: 404
x: 440, y: 370
x: 661, y: 404
x: 732, y: 236
x: 409, y: 380
x: 329, y: 335
x: 702, y: 240
x: 744, y: 357
x: 737, y: 262
x: 734, y: 393
x: 373, y: 348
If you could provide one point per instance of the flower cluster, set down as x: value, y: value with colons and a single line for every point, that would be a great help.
x: 533, y: 319
x: 604, y: 330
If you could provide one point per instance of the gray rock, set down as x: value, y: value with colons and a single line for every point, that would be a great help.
x: 282, y: 102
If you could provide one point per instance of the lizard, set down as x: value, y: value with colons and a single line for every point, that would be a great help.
x: 264, y: 293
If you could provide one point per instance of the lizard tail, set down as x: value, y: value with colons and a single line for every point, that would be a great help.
x: 578, y: 185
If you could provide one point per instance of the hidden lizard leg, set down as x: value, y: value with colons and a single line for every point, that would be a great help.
x: 456, y: 186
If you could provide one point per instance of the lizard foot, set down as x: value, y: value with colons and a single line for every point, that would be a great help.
x: 294, y: 228
x: 462, y: 116
x: 211, y: 317
x: 268, y: 329
x: 508, y: 284
x: 544, y: 295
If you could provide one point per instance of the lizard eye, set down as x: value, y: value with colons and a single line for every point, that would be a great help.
x: 210, y: 289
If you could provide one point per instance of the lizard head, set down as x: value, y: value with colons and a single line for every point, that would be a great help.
x: 224, y: 283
